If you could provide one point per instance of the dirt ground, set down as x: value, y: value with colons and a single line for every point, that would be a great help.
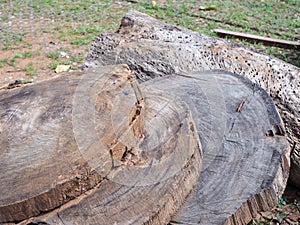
x: 39, y: 60
x: 287, y: 211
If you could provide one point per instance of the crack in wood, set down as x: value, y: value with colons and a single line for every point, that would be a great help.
x: 240, y: 107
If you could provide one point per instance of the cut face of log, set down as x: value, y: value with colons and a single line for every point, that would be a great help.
x: 94, y: 148
x: 99, y: 148
x: 245, y: 154
x: 41, y: 168
x: 153, y: 48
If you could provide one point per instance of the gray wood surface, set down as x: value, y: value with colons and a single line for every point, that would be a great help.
x: 256, y: 38
x: 245, y: 153
x: 153, y: 48
x: 99, y: 148
x: 76, y: 150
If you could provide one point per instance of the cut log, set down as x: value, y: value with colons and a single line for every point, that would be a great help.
x: 40, y: 167
x: 245, y: 154
x: 94, y: 149
x: 153, y: 48
x: 99, y: 148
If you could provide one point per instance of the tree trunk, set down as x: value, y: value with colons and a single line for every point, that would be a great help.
x: 153, y: 48
x: 93, y: 149
x: 99, y: 148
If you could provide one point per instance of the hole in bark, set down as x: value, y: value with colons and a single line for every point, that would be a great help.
x: 38, y: 223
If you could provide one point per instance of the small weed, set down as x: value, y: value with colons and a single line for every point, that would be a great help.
x: 53, y: 55
x: 28, y: 45
x: 12, y: 62
x: 83, y: 30
x: 9, y: 38
x: 58, y: 27
x: 63, y: 36
x: 3, y: 62
x: 30, y: 70
x: 282, y: 215
x: 23, y: 55
x: 63, y: 49
x: 26, y: 81
x: 65, y: 62
x: 6, y: 47
x: 78, y: 58
x: 282, y: 202
x: 82, y: 41
x: 296, y: 205
x: 18, y: 55
x: 53, y: 65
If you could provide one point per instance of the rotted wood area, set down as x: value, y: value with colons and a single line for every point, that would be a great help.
x: 99, y: 148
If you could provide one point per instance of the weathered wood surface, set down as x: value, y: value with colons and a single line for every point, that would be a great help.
x: 40, y: 167
x: 93, y: 149
x: 256, y: 38
x: 153, y: 48
x: 245, y: 154
x: 97, y: 148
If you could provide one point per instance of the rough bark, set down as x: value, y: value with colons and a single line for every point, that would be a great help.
x: 153, y: 48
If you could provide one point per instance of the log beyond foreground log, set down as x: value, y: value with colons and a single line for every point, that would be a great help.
x: 99, y: 148
x: 153, y: 48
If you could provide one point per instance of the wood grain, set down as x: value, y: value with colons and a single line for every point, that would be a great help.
x: 153, y: 48
x: 99, y: 148
x: 243, y: 168
x: 139, y: 169
x: 142, y: 145
x: 41, y: 168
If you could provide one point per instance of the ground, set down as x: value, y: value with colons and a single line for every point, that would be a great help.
x: 37, y: 36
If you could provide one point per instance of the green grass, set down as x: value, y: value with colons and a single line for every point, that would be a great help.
x: 3, y: 62
x: 78, y: 22
x: 23, y: 55
x: 53, y: 55
x: 78, y: 58
x: 12, y: 62
x: 282, y: 202
x: 9, y: 38
x: 272, y: 18
x: 30, y: 70
x: 53, y: 65
x: 86, y: 40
